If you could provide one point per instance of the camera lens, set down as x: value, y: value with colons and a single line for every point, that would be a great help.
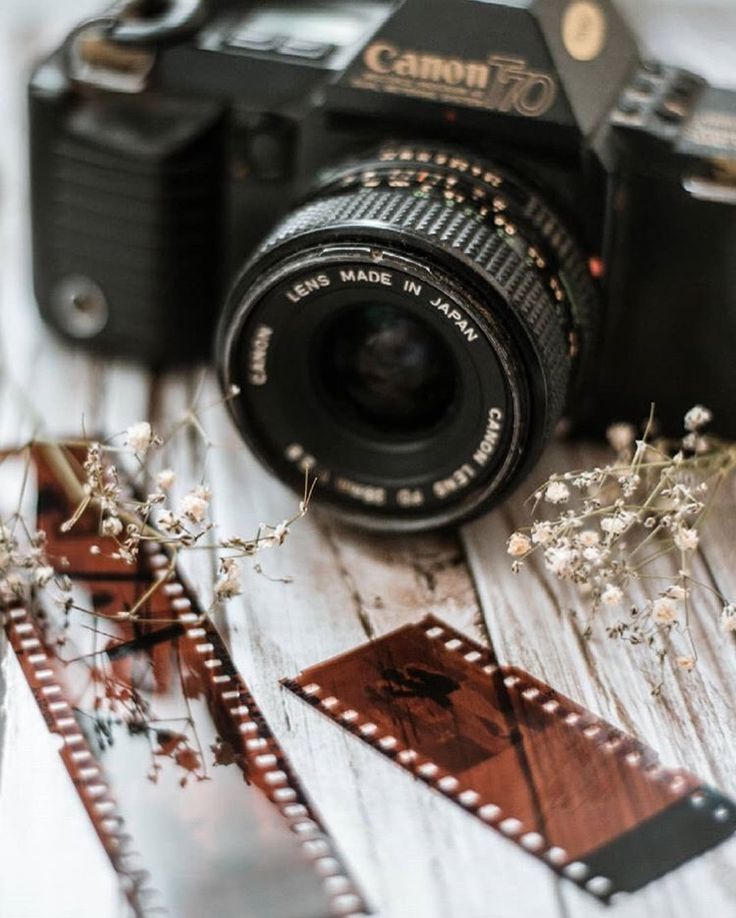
x: 380, y: 366
x: 410, y: 336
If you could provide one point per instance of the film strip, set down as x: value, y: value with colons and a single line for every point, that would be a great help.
x: 28, y: 642
x: 591, y: 802
x: 165, y: 667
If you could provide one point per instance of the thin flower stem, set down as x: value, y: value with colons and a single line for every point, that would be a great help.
x: 652, y: 558
x: 620, y: 519
x: 190, y: 714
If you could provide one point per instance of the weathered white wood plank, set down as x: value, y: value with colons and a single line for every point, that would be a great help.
x: 54, y: 864
x: 413, y: 853
x: 693, y: 725
x: 40, y: 812
x: 528, y: 617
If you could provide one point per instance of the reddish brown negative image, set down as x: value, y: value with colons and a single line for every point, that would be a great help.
x: 167, y: 748
x: 543, y: 770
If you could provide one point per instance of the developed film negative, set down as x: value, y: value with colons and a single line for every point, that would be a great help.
x: 590, y: 801
x: 189, y: 791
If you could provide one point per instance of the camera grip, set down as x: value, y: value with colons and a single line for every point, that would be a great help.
x: 126, y: 214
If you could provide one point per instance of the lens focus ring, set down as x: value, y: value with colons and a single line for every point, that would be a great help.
x: 458, y: 232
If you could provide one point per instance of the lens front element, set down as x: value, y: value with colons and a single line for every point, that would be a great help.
x: 383, y: 367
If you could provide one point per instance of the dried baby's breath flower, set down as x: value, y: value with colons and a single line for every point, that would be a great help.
x: 560, y: 559
x: 43, y: 574
x: 728, y: 617
x: 617, y: 523
x: 166, y: 478
x: 629, y: 484
x: 664, y: 611
x: 139, y: 437
x: 518, y: 545
x: 542, y: 533
x: 228, y: 584
x: 612, y: 595
x: 111, y: 526
x: 621, y: 518
x: 281, y: 531
x: 686, y: 539
x: 130, y: 511
x: 195, y: 504
x: 126, y: 520
x: 697, y: 417
x: 11, y: 588
x: 557, y: 492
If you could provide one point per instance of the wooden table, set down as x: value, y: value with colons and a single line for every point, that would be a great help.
x: 413, y: 852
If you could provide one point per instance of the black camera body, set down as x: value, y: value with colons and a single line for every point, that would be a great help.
x: 506, y: 171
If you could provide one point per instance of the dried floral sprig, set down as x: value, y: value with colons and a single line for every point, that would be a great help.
x: 612, y: 523
x: 31, y: 576
x: 126, y: 521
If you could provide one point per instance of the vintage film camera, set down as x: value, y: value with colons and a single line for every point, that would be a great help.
x: 477, y: 215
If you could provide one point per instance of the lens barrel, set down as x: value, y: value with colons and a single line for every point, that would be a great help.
x: 409, y: 335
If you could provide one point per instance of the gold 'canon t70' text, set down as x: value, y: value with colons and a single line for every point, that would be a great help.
x: 507, y: 83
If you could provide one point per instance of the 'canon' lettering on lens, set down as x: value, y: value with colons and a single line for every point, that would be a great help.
x: 488, y: 444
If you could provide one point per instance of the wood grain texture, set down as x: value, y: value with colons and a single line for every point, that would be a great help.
x: 531, y: 624
x: 414, y: 854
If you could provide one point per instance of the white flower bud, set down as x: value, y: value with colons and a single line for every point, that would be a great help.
x: 556, y: 492
x: 612, y: 595
x: 686, y: 539
x: 42, y: 575
x: 169, y: 522
x: 664, y: 612
x: 139, y: 437
x: 518, y: 545
x: 614, y: 525
x: 194, y: 505
x: 281, y: 531
x: 559, y: 559
x: 728, y: 617
x: 166, y: 478
x: 111, y: 526
x: 589, y: 538
x: 541, y: 533
x: 229, y: 584
x: 11, y: 587
x: 697, y: 417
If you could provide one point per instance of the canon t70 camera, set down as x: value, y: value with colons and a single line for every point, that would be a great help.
x: 477, y: 215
